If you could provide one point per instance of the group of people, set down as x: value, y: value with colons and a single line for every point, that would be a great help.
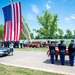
x: 11, y: 47
x: 62, y: 52
x: 17, y: 44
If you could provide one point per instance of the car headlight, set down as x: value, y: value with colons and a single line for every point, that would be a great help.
x: 1, y: 52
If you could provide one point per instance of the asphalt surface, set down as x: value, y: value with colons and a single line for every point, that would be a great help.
x: 38, y: 61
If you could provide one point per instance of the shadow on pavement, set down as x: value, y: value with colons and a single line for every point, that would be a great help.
x: 3, y: 56
x: 56, y: 62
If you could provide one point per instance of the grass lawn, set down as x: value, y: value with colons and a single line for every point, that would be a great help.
x: 32, y: 49
x: 9, y: 70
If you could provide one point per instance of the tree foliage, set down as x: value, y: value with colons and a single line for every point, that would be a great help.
x: 68, y: 34
x: 48, y: 24
x: 60, y: 31
x: 1, y: 31
x: 74, y: 35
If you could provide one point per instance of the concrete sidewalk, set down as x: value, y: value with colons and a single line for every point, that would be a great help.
x: 37, y: 60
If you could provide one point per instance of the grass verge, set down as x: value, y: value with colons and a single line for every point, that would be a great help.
x: 9, y: 70
x: 32, y: 49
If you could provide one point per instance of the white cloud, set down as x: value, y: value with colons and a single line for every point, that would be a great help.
x: 31, y: 17
x: 67, y: 19
x: 73, y: 14
x: 35, y: 9
x: 48, y: 6
x: 49, y: 1
x: 73, y: 17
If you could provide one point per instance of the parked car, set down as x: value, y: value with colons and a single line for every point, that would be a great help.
x: 4, y: 51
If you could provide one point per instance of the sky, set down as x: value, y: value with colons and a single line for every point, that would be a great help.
x: 31, y: 8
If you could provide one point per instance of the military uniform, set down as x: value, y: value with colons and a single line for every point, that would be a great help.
x: 71, y: 49
x: 62, y: 51
x: 52, y: 52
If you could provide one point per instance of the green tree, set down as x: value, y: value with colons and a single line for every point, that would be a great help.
x: 48, y: 23
x: 22, y: 36
x: 60, y: 31
x: 74, y: 35
x: 1, y: 31
x: 56, y: 36
x: 32, y: 36
x: 38, y: 36
x: 68, y: 34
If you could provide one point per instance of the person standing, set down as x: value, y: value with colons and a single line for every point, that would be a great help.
x: 71, y: 49
x: 62, y: 51
x: 56, y: 46
x: 52, y: 52
x: 11, y: 48
x: 24, y: 43
x: 21, y: 42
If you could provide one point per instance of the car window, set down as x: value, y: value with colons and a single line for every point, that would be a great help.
x: 1, y: 48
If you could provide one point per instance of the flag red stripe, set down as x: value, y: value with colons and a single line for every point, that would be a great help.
x: 5, y: 32
x: 7, y: 28
x: 15, y: 25
x: 13, y: 30
x: 20, y: 20
x: 16, y: 21
x: 10, y: 30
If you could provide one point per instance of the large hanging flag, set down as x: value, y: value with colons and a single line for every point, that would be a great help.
x: 13, y: 22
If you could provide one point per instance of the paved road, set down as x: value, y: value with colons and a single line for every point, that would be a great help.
x: 37, y: 60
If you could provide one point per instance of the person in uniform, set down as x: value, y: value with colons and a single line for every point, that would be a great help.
x: 71, y: 49
x: 62, y: 51
x: 56, y: 46
x: 52, y: 52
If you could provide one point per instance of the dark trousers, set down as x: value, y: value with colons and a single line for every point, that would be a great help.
x: 20, y: 45
x: 52, y: 58
x: 56, y: 57
x: 62, y: 58
x: 24, y: 45
x: 71, y: 60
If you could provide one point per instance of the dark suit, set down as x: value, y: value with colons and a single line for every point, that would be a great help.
x: 62, y: 50
x: 52, y: 52
x: 71, y: 49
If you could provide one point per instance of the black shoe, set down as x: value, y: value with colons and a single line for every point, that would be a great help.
x: 62, y: 64
x: 71, y: 65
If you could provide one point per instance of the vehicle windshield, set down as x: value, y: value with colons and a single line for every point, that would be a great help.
x: 1, y: 48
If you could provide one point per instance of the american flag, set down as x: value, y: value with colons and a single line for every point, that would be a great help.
x: 13, y: 22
